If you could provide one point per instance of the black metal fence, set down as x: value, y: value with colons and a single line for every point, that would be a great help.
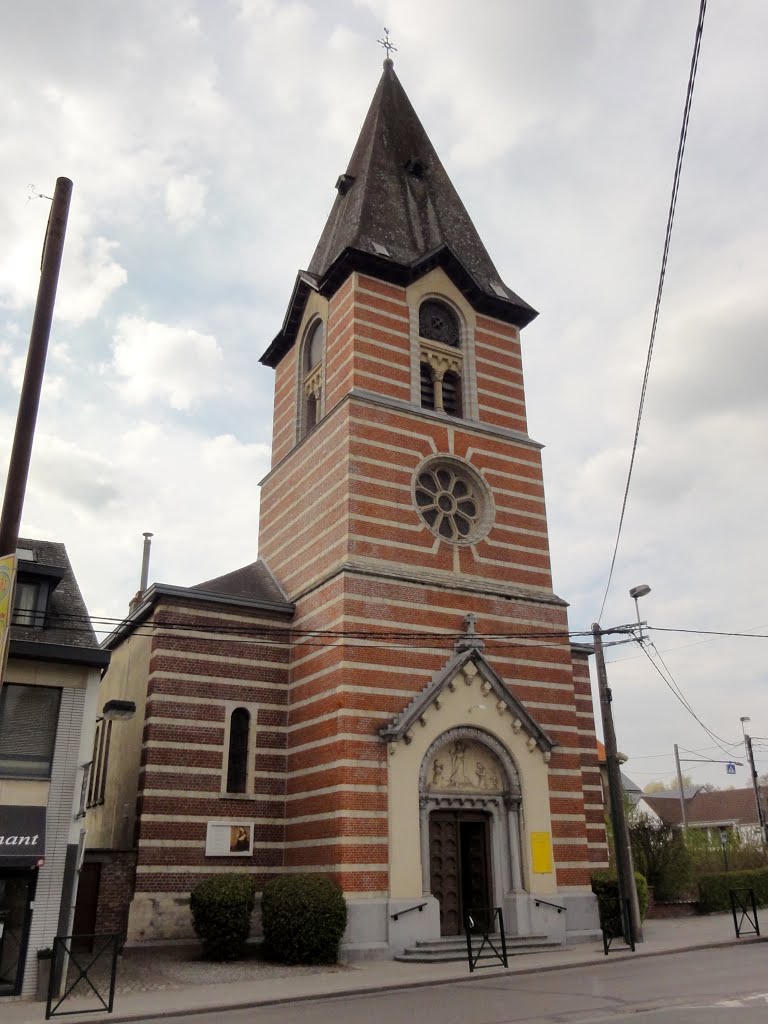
x: 744, y: 908
x: 484, y: 929
x: 85, y: 981
x: 615, y: 921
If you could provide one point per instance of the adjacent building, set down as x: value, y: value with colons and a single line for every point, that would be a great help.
x: 389, y: 694
x: 48, y: 705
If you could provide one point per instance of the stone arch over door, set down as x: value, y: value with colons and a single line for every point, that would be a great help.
x: 468, y: 774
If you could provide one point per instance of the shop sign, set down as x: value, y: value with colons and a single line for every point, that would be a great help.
x: 22, y: 834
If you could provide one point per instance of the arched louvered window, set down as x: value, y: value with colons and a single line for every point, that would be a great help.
x: 452, y: 393
x: 237, y: 760
x: 438, y: 322
x: 311, y: 383
x: 427, y: 387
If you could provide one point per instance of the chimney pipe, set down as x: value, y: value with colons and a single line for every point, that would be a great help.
x: 145, y: 562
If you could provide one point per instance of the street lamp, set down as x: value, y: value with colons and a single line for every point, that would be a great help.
x: 636, y: 592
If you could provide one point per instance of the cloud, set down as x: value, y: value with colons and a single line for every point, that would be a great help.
x: 185, y: 201
x: 176, y: 364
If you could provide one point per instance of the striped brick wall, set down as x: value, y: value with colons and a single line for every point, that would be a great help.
x: 590, y: 769
x: 340, y: 531
x: 206, y: 658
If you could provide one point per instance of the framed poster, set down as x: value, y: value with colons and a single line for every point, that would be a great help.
x: 229, y: 839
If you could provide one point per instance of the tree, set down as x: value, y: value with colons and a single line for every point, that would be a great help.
x: 672, y: 786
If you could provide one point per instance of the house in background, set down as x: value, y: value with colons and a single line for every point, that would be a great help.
x: 732, y: 810
x: 48, y: 706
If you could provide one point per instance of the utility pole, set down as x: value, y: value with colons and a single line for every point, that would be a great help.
x: 680, y: 784
x: 755, y: 784
x: 624, y: 869
x: 29, y: 401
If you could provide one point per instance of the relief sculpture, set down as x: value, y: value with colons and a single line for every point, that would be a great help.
x: 464, y: 766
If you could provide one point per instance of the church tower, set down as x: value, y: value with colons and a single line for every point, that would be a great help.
x: 440, y: 744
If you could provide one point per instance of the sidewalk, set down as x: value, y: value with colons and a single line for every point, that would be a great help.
x: 269, y: 984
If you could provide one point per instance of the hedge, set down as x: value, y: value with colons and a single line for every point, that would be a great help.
x: 714, y: 889
x: 304, y: 918
x: 605, y: 886
x: 221, y: 914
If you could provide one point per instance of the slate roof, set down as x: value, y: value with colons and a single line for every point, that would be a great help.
x: 67, y: 622
x: 397, y: 195
x: 724, y: 806
x: 254, y: 582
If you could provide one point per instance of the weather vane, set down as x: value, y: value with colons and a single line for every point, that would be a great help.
x: 389, y: 47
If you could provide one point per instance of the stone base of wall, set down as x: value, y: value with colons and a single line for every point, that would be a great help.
x: 372, y: 933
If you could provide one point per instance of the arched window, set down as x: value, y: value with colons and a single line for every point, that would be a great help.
x: 237, y: 760
x: 438, y: 322
x: 312, y: 377
x: 440, y: 357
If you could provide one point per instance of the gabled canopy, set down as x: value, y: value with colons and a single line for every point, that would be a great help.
x: 469, y: 659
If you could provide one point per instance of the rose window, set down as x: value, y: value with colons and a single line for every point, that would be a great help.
x: 450, y: 501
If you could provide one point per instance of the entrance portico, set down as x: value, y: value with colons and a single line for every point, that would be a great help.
x: 468, y: 790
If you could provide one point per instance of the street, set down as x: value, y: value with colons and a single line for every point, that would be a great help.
x: 713, y: 985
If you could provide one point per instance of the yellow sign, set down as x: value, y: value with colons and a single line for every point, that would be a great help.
x: 541, y: 853
x: 7, y: 585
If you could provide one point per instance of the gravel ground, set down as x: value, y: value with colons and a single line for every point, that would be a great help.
x: 173, y: 967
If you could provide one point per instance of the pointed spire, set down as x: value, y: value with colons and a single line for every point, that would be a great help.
x: 397, y: 202
x: 397, y: 216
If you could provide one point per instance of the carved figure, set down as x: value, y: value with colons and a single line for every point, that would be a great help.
x: 438, y: 773
x: 480, y: 771
x: 458, y: 775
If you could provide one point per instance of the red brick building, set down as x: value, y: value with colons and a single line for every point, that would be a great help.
x: 390, y: 693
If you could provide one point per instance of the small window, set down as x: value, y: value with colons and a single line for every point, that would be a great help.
x: 314, y: 347
x: 29, y: 603
x: 29, y: 717
x: 438, y: 322
x: 311, y: 383
x: 97, y: 783
x: 237, y: 759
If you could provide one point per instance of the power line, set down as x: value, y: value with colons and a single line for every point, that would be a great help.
x: 680, y: 696
x: 662, y: 274
x: 706, y: 632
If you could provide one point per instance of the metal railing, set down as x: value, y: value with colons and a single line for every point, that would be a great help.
x: 81, y: 974
x: 488, y: 923
x: 743, y: 902
x: 615, y: 921
x: 416, y: 906
x: 546, y: 903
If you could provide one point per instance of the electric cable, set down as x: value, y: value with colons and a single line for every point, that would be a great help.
x: 660, y: 289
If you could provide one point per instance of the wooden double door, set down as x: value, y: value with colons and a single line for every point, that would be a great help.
x: 460, y: 868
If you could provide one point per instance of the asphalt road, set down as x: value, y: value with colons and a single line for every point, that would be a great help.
x: 713, y: 986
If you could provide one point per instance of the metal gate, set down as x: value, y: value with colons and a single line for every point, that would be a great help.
x: 83, y: 974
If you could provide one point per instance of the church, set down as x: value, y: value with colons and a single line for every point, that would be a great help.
x: 389, y: 694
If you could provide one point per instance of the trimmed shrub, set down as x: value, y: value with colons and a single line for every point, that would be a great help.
x: 605, y: 886
x: 221, y: 914
x: 303, y: 917
x: 714, y: 889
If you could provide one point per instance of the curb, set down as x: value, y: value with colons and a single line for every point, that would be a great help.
x: 251, y: 1004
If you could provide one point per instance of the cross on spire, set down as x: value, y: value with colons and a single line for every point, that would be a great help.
x: 389, y: 47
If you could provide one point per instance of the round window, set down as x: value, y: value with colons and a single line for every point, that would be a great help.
x: 453, y: 501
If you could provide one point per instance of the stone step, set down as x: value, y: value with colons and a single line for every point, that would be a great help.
x: 453, y: 950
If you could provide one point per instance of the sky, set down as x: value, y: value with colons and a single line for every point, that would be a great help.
x: 204, y: 141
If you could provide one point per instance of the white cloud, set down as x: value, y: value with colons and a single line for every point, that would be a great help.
x: 185, y: 201
x: 176, y: 364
